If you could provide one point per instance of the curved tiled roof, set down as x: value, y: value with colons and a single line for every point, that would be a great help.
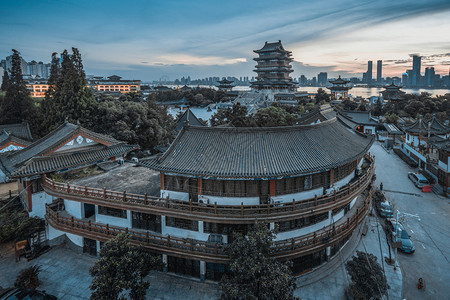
x: 258, y: 152
x: 40, y: 157
x: 421, y: 127
x: 46, y: 164
x: 20, y: 130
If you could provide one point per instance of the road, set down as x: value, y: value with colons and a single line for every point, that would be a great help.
x: 430, y: 232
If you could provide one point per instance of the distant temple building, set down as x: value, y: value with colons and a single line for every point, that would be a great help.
x: 339, y: 89
x: 273, y: 69
x: 225, y: 85
x: 114, y: 83
x: 393, y: 92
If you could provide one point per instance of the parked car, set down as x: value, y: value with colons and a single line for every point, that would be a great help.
x: 418, y: 179
x: 403, y: 237
x: 13, y: 294
x: 385, y: 210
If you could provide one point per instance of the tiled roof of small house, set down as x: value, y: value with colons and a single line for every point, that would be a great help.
x: 20, y: 130
x: 40, y: 156
x: 434, y: 127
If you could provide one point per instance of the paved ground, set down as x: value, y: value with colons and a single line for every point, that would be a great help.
x: 430, y: 233
x: 128, y: 177
x: 333, y: 286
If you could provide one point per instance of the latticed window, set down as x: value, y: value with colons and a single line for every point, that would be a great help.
x: 182, y: 223
x: 110, y: 211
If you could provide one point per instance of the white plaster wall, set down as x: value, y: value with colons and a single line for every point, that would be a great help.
x: 175, y: 195
x: 231, y: 200
x: 74, y: 208
x: 298, y: 196
x: 338, y: 215
x: 420, y: 156
x: 38, y: 204
x: 353, y: 202
x: 2, y: 177
x: 54, y: 233
x: 113, y: 221
x: 345, y: 180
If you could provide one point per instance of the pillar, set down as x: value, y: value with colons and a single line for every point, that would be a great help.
x: 328, y: 252
x: 272, y: 226
x: 331, y: 177
x: 161, y: 178
x: 199, y: 186
x: 164, y: 259
x: 200, y: 226
x: 98, y: 248
x: 330, y: 215
x: 202, y: 270
x: 163, y: 224
x: 272, y: 187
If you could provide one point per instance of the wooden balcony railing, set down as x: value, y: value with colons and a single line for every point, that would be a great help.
x: 193, y: 249
x: 211, y: 212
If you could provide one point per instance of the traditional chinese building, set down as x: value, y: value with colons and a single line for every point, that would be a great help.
x: 361, y: 121
x: 393, y: 92
x: 14, y: 137
x: 225, y: 85
x: 339, y: 89
x: 422, y: 143
x: 68, y: 147
x: 114, y: 83
x: 308, y: 181
x: 273, y: 69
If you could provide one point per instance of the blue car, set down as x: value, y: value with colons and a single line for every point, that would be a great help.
x: 403, y: 237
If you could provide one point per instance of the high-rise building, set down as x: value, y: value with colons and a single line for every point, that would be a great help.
x: 405, y: 79
x: 415, y: 79
x: 6, y: 64
x: 302, y: 80
x: 379, y: 71
x: 367, y: 77
x: 322, y: 78
x: 429, y: 76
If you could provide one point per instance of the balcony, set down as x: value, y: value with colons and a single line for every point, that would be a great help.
x: 230, y: 214
x: 194, y: 249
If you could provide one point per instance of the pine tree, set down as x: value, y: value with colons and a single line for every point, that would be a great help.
x: 17, y: 104
x: 5, y: 81
x: 69, y: 97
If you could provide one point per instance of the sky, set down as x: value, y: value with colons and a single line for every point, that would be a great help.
x: 168, y: 39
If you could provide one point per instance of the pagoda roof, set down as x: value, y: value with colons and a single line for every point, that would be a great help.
x: 261, y: 152
x: 271, y: 47
x: 443, y: 144
x: 188, y: 117
x: 225, y: 81
x: 339, y: 81
x: 392, y: 86
x: 434, y: 127
x: 19, y: 130
x: 68, y: 146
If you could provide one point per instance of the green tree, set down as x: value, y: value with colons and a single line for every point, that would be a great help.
x: 368, y: 279
x: 274, y: 116
x: 5, y: 81
x: 17, y: 104
x: 69, y: 97
x: 146, y: 124
x: 121, y: 270
x: 236, y: 116
x: 254, y: 273
x: 322, y: 96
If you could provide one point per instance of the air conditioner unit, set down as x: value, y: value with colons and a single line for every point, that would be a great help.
x: 203, y: 200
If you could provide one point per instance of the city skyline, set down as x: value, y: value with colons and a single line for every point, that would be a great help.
x: 175, y: 39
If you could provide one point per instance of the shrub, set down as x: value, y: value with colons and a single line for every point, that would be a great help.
x: 28, y: 278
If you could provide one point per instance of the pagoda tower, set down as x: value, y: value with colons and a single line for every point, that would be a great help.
x: 273, y: 69
x: 225, y: 85
x: 339, y: 89
x: 393, y: 92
